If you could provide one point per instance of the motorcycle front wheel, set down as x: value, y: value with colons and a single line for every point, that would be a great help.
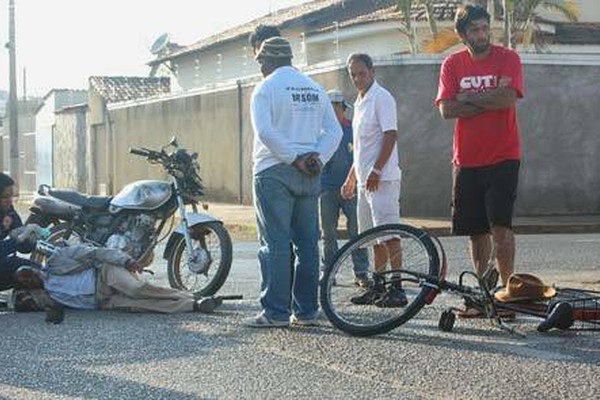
x: 212, y: 244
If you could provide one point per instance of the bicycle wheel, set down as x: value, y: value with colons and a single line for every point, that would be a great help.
x: 418, y: 261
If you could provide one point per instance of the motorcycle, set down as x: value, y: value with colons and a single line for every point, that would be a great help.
x: 198, y: 250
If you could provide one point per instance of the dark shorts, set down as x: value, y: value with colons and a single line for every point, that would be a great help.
x: 483, y: 197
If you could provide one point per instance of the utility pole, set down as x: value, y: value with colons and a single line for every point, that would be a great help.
x: 13, y: 113
x: 508, y: 7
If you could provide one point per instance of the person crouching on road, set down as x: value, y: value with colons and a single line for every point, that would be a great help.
x: 9, y: 244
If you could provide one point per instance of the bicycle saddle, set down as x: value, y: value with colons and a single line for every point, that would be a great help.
x: 559, y: 317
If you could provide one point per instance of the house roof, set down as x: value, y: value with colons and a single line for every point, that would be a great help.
x: 70, y: 95
x: 123, y: 88
x: 576, y: 33
x: 72, y: 108
x: 443, y: 10
x: 312, y: 15
x: 318, y: 16
x: 63, y: 90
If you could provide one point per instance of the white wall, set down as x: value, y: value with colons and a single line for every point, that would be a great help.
x: 44, y: 123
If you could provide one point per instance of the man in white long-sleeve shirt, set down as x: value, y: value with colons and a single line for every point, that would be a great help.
x: 296, y: 132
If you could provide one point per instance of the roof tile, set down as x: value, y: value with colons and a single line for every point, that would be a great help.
x: 123, y: 88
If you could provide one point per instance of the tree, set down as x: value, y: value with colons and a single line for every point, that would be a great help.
x: 524, y: 17
x: 520, y: 21
x: 407, y: 28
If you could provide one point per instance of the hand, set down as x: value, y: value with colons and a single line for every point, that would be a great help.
x: 348, y: 190
x: 373, y: 182
x: 504, y: 81
x: 314, y: 164
x: 29, y: 232
x: 134, y: 266
x: 308, y: 163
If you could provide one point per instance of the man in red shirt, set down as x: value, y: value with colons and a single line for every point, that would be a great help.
x: 479, y: 87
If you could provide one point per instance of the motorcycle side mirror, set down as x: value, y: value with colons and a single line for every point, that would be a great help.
x: 173, y: 143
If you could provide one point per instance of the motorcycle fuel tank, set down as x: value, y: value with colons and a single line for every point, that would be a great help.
x: 142, y: 195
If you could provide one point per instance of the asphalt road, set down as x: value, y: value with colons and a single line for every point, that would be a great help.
x: 106, y: 355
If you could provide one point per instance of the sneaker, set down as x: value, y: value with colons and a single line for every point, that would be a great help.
x: 205, y: 305
x: 394, y: 297
x: 303, y: 322
x: 261, y: 321
x: 362, y: 280
x: 369, y: 296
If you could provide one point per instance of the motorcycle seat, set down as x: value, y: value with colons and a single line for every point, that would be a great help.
x: 82, y: 200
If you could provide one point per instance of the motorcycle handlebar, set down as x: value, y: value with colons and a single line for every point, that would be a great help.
x: 139, y: 152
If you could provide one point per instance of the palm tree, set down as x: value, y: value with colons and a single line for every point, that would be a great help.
x: 405, y: 7
x: 406, y: 28
x: 520, y: 21
x: 525, y: 14
x: 428, y: 6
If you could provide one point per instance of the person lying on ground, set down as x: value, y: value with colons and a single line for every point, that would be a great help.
x: 86, y: 277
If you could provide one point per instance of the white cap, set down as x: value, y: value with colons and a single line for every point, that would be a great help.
x: 336, y: 96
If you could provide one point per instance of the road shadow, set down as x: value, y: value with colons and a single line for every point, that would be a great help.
x: 82, y: 357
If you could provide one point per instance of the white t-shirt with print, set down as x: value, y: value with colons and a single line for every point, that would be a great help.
x: 291, y: 115
x: 374, y: 114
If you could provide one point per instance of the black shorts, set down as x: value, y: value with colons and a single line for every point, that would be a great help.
x: 483, y: 197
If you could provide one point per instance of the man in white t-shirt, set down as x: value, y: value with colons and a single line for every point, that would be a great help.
x: 376, y: 176
x: 296, y: 132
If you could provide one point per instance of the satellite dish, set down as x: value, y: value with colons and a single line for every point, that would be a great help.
x: 160, y: 44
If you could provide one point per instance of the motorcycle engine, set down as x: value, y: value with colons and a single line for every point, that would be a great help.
x: 134, y: 236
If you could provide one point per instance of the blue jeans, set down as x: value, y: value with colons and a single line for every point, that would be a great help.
x: 331, y: 202
x: 286, y: 203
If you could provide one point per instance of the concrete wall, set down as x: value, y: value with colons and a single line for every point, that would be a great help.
x: 70, y: 166
x: 206, y: 123
x: 561, y: 139
x: 44, y: 122
x: 26, y: 178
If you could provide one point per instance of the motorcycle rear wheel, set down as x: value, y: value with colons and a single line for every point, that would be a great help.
x: 215, y: 239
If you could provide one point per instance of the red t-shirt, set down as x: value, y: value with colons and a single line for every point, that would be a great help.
x: 493, y: 136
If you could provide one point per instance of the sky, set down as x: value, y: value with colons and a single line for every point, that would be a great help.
x: 60, y: 43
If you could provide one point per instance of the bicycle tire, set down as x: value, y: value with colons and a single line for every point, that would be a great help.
x: 344, y: 315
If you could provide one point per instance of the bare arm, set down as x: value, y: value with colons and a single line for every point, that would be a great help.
x: 389, y: 143
x: 495, y: 99
x: 349, y: 186
x: 450, y: 109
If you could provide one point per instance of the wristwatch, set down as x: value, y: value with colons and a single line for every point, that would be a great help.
x: 376, y: 171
